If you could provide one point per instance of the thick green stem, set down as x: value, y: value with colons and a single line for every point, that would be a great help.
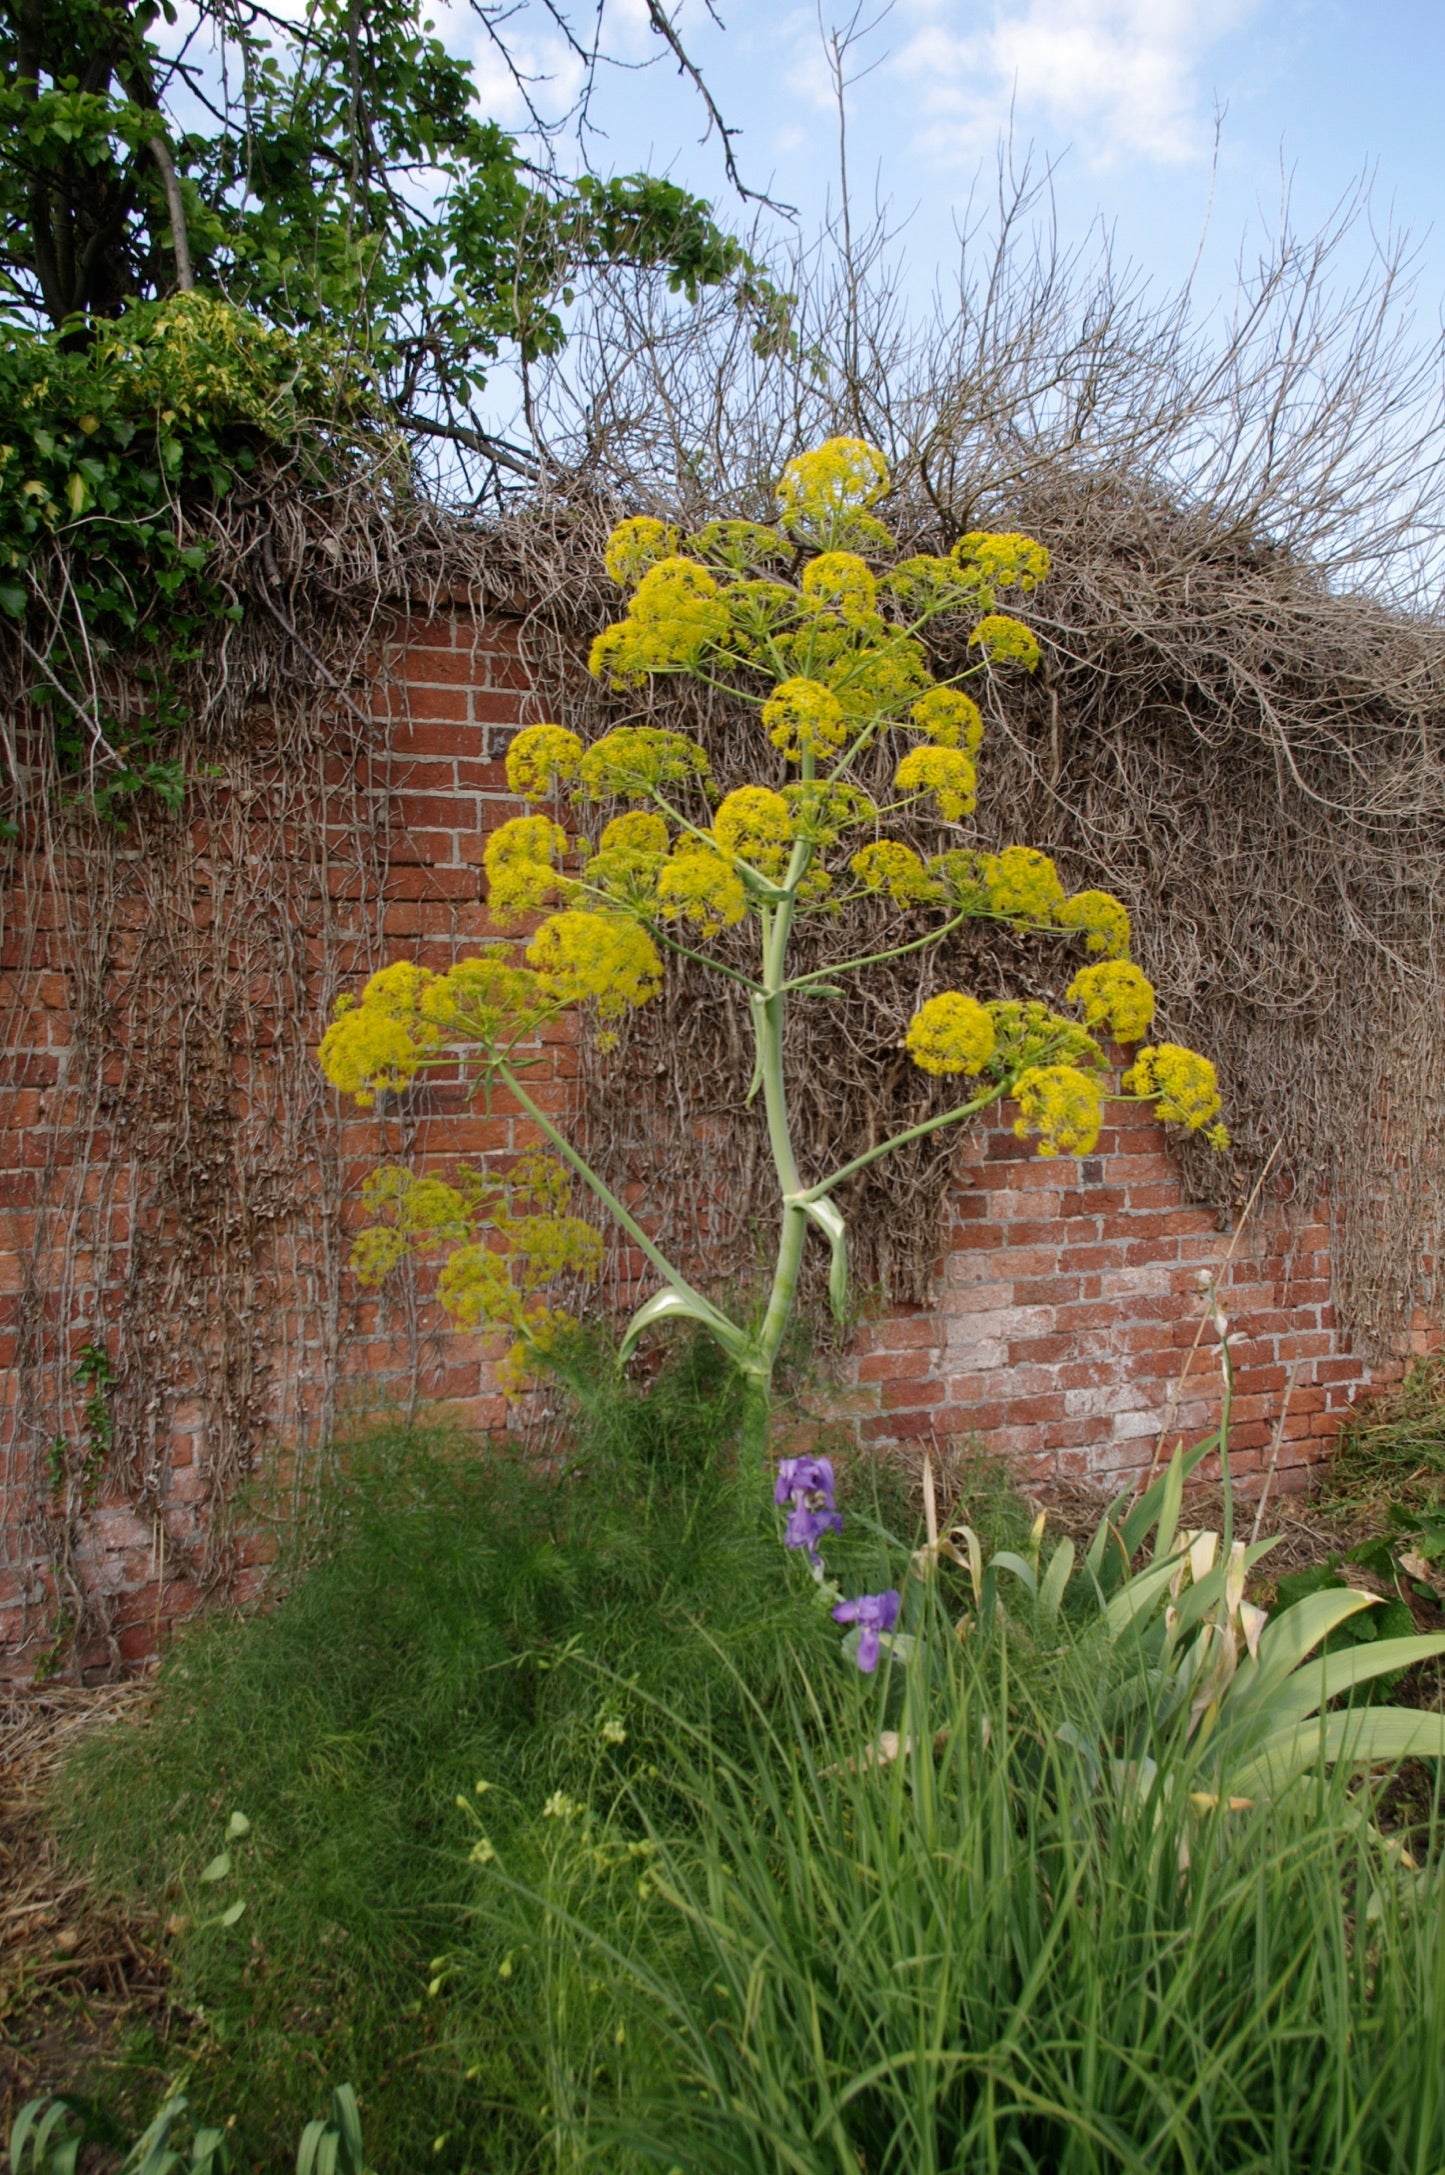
x: 825, y: 1186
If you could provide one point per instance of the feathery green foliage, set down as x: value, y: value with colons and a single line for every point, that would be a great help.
x: 453, y: 1633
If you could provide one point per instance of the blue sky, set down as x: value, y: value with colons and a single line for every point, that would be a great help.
x: 1122, y: 94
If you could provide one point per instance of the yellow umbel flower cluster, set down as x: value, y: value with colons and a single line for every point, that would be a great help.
x: 1117, y: 996
x: 805, y: 718
x: 1182, y: 1085
x: 743, y: 547
x: 674, y: 616
x: 634, y: 762
x: 599, y: 959
x: 926, y: 584
x: 842, y: 580
x: 510, y: 1236
x: 520, y: 859
x: 1105, y: 920
x: 822, y: 495
x: 1062, y: 1107
x: 540, y: 759
x: 951, y: 719
x: 1002, y: 561
x: 1028, y: 1034
x: 890, y: 866
x: 755, y: 826
x: 1022, y: 884
x: 408, y: 1015
x: 697, y: 885
x: 947, y: 773
x: 1006, y: 641
x: 626, y: 864
x: 951, y: 1033
x: 377, y: 1047
x: 636, y: 546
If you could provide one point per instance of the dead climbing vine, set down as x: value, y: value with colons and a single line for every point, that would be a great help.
x: 165, y: 978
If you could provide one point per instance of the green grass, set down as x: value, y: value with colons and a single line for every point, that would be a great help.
x: 454, y: 1632
x: 1392, y: 1445
x: 984, y: 1957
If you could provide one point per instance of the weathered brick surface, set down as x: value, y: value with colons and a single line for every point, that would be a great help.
x: 1067, y: 1295
x: 1066, y: 1333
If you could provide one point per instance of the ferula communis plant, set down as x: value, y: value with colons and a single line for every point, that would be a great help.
x: 813, y: 629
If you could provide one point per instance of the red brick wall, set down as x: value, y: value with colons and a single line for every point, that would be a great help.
x: 1067, y: 1298
x: 1067, y: 1330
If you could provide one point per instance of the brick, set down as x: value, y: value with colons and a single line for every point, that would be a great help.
x: 1068, y: 1317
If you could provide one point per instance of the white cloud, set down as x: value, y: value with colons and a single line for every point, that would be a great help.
x: 1122, y: 78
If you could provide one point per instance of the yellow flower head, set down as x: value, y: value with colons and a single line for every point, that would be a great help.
x: 890, y: 866
x: 1006, y: 641
x: 697, y: 885
x: 741, y: 546
x: 1181, y: 1084
x: 544, y: 1247
x: 601, y: 959
x: 842, y: 580
x: 541, y: 758
x: 1101, y: 914
x: 760, y: 613
x: 1022, y: 884
x: 1063, y: 1107
x: 543, y: 1329
x: 876, y: 679
x: 1114, y: 995
x: 378, y: 1046
x: 625, y: 866
x: 805, y: 718
x: 925, y: 585
x: 639, y: 831
x: 519, y: 859
x: 950, y: 719
x: 477, y: 1291
x: 1002, y: 561
x: 947, y: 773
x: 483, y: 999
x: 675, y: 613
x: 950, y: 1033
x: 823, y: 808
x: 375, y: 1253
x: 756, y: 826
x: 960, y: 886
x: 822, y: 495
x: 536, y: 1180
x: 633, y: 762
x: 1029, y: 1034
x: 635, y: 545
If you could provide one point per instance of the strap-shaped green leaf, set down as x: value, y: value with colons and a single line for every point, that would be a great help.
x: 1296, y: 1631
x: 1135, y: 1596
x: 1315, y: 1683
x: 1007, y: 1560
x: 1373, y: 1736
x: 830, y: 1221
x: 1055, y: 1580
x: 669, y: 1305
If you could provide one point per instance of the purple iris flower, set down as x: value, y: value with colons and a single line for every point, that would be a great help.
x: 873, y: 1613
x: 799, y: 1478
x: 808, y: 1485
x: 805, y: 1528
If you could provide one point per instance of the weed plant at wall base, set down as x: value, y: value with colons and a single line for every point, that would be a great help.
x: 464, y: 1616
x: 814, y: 631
